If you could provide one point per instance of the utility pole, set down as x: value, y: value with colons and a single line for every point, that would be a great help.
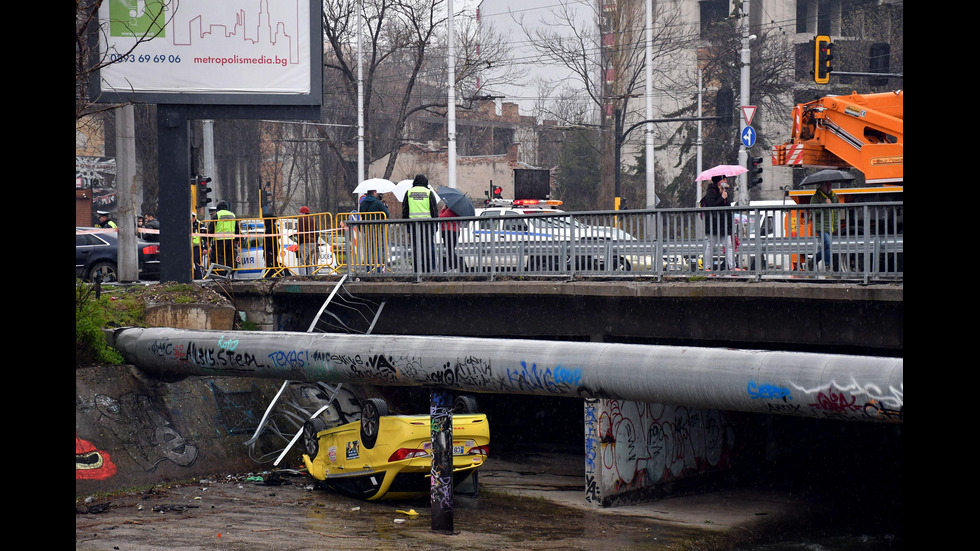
x: 128, y: 192
x: 360, y: 98
x: 451, y: 101
x: 746, y: 76
x: 207, y: 127
x: 651, y: 185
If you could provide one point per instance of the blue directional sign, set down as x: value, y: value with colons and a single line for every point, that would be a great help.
x: 748, y: 136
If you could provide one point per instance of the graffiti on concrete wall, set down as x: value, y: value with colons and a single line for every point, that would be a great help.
x: 92, y: 463
x: 238, y: 411
x: 640, y: 445
x: 146, y: 435
x: 592, y: 494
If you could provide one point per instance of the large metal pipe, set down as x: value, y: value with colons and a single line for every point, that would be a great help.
x: 793, y: 383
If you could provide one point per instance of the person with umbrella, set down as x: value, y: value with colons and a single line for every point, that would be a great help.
x: 718, y: 225
x: 454, y: 204
x: 826, y: 222
x: 372, y: 234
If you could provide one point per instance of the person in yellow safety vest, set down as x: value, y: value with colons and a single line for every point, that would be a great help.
x: 420, y: 203
x: 196, y: 240
x: 104, y: 221
x: 224, y: 242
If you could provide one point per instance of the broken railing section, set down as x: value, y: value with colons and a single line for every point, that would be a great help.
x: 863, y: 388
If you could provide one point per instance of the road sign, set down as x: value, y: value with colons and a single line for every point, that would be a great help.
x: 748, y: 136
x: 748, y: 111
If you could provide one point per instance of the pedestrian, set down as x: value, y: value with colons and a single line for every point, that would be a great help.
x: 224, y: 228
x: 199, y: 245
x: 104, y: 221
x: 450, y: 235
x: 826, y: 224
x: 420, y: 204
x: 308, y: 240
x: 151, y: 223
x: 718, y: 225
x: 372, y: 235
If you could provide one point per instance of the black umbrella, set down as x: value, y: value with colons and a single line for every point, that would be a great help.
x: 457, y: 201
x: 829, y: 175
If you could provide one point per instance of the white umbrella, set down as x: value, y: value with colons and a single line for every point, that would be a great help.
x: 401, y: 188
x: 379, y: 184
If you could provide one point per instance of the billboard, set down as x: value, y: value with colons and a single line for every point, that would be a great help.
x: 211, y: 52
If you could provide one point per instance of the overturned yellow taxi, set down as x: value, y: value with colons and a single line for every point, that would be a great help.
x: 389, y: 456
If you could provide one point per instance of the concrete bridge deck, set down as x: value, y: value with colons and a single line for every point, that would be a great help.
x: 802, y: 316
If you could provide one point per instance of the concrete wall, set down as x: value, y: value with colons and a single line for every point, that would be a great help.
x: 131, y: 430
x: 636, y: 451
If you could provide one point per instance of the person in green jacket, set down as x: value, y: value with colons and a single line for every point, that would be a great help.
x: 826, y: 222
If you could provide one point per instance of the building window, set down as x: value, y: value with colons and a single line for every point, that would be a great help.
x: 712, y: 11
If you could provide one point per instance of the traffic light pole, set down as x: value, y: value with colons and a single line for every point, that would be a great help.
x: 746, y: 77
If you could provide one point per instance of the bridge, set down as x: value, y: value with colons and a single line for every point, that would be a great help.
x: 665, y: 352
x: 762, y: 242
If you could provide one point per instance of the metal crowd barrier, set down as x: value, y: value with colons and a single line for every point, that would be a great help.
x: 300, y: 245
x: 866, y: 244
x: 780, y: 242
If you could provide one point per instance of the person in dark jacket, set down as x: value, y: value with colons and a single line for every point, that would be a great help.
x: 718, y: 225
x: 372, y: 235
x: 450, y: 235
x: 308, y: 240
x: 150, y: 222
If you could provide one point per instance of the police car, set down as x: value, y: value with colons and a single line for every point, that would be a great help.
x: 535, y: 235
x: 251, y: 253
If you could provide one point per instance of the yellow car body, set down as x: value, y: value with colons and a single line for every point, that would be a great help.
x: 398, y: 464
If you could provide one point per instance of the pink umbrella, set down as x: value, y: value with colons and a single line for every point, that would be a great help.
x: 721, y: 170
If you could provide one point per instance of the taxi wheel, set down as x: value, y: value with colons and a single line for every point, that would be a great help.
x: 465, y: 404
x: 311, y: 442
x: 372, y: 412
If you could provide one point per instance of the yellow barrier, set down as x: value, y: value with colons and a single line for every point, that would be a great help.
x: 368, y: 242
x: 267, y: 247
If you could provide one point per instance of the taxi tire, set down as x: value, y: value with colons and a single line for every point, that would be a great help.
x: 372, y: 412
x: 465, y: 404
x: 311, y: 442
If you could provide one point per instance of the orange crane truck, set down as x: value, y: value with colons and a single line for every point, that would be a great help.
x: 861, y: 131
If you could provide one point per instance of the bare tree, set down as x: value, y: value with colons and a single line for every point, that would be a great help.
x: 403, y: 72
x: 771, y: 71
x: 604, y: 49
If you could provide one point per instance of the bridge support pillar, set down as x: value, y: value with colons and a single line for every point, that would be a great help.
x: 441, y: 481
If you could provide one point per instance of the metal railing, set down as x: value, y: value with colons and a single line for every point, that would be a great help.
x: 864, y: 242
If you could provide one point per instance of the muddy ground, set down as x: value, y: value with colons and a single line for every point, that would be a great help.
x: 518, y: 507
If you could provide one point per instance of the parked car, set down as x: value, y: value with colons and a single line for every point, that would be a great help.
x: 97, y: 252
x: 382, y: 456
